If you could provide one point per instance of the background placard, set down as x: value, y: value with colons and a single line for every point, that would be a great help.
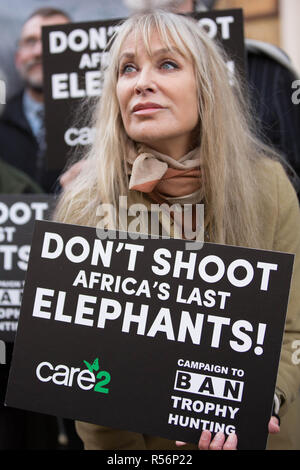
x: 18, y: 213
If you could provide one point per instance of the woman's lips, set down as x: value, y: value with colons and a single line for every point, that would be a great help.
x: 146, y: 108
x: 147, y: 111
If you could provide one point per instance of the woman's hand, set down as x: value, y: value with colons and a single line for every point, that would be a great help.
x: 273, y: 427
x: 219, y: 442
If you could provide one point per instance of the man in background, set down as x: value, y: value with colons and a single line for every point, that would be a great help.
x: 22, y: 132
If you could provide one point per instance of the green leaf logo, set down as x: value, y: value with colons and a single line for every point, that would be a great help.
x: 102, y: 374
x: 94, y: 366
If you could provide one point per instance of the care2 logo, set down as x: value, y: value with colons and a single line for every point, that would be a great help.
x: 102, y: 374
x: 90, y: 378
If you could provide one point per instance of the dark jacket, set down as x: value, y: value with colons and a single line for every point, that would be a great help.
x: 18, y: 146
x: 270, y: 84
x: 13, y: 181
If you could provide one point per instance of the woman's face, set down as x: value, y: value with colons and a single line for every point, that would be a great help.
x: 157, y: 95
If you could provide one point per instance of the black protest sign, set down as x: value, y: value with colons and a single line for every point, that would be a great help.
x: 146, y: 336
x: 227, y: 27
x: 17, y: 216
x: 72, y: 56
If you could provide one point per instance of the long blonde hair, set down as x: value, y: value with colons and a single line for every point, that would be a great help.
x: 231, y: 153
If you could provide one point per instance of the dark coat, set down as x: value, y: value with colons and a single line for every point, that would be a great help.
x: 13, y: 181
x: 270, y: 86
x: 18, y: 146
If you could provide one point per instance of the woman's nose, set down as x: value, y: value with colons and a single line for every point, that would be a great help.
x: 145, y: 82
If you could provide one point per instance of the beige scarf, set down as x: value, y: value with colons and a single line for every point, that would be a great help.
x: 163, y: 177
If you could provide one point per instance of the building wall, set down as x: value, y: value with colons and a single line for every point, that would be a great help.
x: 261, y: 18
x: 273, y: 21
x: 289, y: 29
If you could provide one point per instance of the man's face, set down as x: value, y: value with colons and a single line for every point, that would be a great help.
x: 28, y: 58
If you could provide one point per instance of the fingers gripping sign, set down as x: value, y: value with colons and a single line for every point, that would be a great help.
x: 218, y: 442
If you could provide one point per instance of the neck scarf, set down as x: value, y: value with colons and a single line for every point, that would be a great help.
x: 163, y: 177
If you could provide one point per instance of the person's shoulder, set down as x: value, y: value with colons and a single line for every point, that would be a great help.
x: 271, y: 171
x: 13, y: 181
x: 260, y: 53
x: 13, y: 106
x: 274, y: 184
x: 16, y: 98
x: 277, y: 205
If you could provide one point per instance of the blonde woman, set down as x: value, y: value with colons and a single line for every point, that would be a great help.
x: 169, y: 126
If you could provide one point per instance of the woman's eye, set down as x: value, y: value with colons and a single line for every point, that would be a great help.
x: 128, y: 68
x: 169, y: 65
